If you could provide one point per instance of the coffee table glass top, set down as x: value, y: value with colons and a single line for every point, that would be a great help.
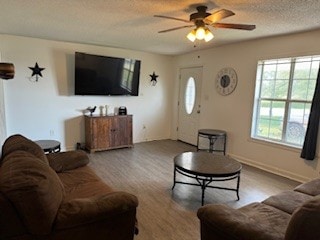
x: 207, y: 164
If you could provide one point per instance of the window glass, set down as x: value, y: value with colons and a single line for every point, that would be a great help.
x: 190, y: 95
x: 284, y: 91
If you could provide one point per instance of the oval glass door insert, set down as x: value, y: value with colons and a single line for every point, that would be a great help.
x: 190, y: 95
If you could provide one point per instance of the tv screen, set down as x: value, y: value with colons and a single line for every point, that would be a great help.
x: 101, y: 75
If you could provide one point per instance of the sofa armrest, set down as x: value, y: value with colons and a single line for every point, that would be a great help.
x: 64, y: 161
x: 304, y: 222
x: 223, y: 222
x: 89, y: 210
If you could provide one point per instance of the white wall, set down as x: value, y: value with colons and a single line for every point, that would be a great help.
x: 34, y: 109
x: 233, y: 113
x: 48, y: 109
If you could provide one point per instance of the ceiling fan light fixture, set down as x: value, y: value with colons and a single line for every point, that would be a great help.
x: 201, y: 19
x: 192, y: 35
x: 208, y: 35
x: 200, y: 33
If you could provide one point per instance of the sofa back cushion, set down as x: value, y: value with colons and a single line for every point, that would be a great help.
x: 19, y: 142
x: 33, y: 188
x: 304, y: 223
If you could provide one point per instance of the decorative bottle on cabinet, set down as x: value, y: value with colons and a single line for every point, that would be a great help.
x: 108, y: 132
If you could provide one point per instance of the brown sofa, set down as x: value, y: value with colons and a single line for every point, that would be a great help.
x: 290, y: 215
x: 57, y: 196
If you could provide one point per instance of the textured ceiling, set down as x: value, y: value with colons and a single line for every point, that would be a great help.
x: 130, y: 24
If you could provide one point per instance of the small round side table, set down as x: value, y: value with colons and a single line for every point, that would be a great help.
x: 213, y: 135
x: 49, y: 146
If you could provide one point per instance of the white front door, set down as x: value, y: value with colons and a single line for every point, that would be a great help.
x: 189, y: 104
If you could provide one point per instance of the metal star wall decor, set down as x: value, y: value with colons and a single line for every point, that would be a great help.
x: 153, y: 78
x: 36, y: 71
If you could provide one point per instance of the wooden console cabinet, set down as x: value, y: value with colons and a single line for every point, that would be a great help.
x: 108, y: 132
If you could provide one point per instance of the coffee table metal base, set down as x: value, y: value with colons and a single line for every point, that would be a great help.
x: 204, y: 182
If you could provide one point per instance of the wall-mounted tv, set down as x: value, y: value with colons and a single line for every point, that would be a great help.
x: 102, y: 75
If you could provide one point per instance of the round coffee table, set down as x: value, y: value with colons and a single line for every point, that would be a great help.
x: 206, y: 168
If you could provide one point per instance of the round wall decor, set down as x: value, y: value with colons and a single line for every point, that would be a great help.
x: 226, y: 81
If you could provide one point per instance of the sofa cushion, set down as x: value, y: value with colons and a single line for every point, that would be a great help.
x: 33, y: 188
x: 272, y: 221
x: 64, y: 161
x: 287, y: 201
x: 312, y: 187
x: 19, y: 142
x: 83, y: 183
x: 81, y: 211
x: 304, y: 223
x: 254, y: 221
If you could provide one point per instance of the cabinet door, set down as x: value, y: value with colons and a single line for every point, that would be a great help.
x: 101, y: 129
x: 129, y: 130
x: 122, y: 131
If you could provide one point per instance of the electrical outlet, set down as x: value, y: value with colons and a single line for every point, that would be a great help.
x: 51, y: 132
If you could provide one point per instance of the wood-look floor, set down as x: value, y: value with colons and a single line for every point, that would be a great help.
x: 146, y: 170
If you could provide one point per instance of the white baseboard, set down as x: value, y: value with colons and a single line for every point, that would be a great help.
x: 271, y: 169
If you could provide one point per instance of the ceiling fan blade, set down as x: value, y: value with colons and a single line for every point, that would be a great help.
x: 234, y: 26
x: 218, y: 15
x: 173, y: 18
x: 176, y: 28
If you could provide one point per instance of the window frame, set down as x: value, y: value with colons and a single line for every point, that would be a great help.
x: 288, y: 101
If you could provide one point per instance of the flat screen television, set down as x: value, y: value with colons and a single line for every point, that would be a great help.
x: 102, y: 75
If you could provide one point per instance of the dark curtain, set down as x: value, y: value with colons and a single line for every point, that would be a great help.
x: 310, y: 140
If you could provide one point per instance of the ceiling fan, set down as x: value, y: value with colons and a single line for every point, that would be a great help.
x: 201, y: 19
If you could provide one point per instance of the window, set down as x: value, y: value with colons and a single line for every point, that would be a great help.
x: 283, y: 95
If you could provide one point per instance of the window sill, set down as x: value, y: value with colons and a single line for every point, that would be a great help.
x: 275, y: 144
